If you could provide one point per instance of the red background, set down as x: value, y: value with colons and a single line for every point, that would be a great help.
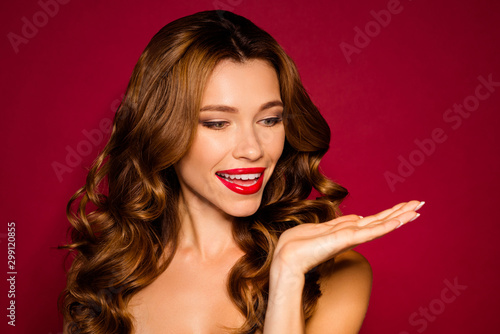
x: 68, y: 78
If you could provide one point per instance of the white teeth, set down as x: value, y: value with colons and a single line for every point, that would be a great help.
x: 241, y: 176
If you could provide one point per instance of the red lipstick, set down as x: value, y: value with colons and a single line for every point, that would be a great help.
x: 241, y: 188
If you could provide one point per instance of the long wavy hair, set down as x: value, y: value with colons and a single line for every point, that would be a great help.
x: 124, y: 220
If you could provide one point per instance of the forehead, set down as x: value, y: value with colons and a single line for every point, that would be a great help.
x: 251, y: 82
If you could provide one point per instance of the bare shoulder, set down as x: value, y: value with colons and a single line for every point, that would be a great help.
x: 346, y: 286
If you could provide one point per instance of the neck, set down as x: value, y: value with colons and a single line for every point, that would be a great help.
x: 206, y: 231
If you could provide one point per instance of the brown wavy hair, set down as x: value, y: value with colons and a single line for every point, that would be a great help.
x: 124, y: 220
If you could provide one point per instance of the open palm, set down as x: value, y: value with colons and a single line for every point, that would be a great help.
x: 305, y: 246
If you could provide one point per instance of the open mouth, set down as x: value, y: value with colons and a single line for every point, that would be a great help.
x: 244, y: 181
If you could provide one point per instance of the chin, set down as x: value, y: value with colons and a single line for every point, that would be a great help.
x: 243, y: 208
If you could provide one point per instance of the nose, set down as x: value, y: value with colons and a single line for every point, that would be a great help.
x: 248, y: 145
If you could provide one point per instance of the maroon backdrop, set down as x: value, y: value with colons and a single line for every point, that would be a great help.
x: 411, y: 90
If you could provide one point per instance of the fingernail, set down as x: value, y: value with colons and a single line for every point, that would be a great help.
x: 419, y: 206
x: 418, y: 215
x: 400, y: 224
x: 360, y: 217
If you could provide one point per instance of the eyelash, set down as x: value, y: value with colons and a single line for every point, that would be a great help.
x: 275, y: 120
x: 214, y: 124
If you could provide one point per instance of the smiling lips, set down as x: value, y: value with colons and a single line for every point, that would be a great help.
x: 244, y: 181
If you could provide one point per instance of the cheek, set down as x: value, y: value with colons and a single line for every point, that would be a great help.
x: 206, y: 152
x: 274, y: 141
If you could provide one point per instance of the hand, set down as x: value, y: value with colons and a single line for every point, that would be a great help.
x: 305, y: 246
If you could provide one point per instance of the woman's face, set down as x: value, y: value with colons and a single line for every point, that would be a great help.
x: 239, y: 139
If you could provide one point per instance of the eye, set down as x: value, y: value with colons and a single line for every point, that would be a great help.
x: 215, y: 125
x: 272, y: 121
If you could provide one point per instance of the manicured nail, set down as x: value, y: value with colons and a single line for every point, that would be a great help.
x: 418, y: 215
x: 400, y: 224
x: 419, y: 206
x: 360, y: 217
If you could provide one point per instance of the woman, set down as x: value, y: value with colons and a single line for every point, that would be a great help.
x: 200, y: 218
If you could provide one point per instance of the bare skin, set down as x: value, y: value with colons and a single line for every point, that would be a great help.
x: 191, y: 295
x: 240, y: 127
x: 345, y: 287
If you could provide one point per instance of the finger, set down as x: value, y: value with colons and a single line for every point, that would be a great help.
x: 401, y: 219
x: 407, y: 217
x: 408, y: 207
x: 393, y: 212
x: 347, y: 238
x: 375, y: 231
x: 349, y: 234
x: 355, y: 222
x: 381, y: 215
x: 341, y: 219
x: 346, y: 224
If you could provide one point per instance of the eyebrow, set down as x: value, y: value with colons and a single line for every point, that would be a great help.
x: 224, y: 108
